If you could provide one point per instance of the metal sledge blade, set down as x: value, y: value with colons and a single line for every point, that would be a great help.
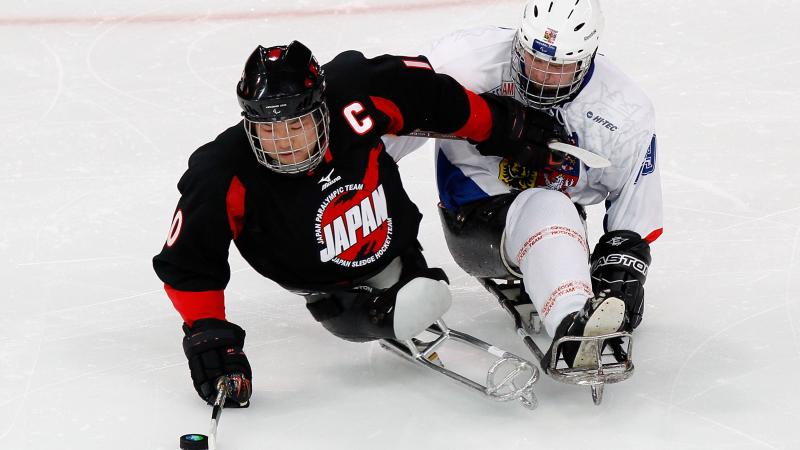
x: 509, y: 378
x: 504, y: 384
x: 600, y: 373
x: 595, y: 376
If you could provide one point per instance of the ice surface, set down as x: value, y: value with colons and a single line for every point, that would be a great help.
x: 102, y: 102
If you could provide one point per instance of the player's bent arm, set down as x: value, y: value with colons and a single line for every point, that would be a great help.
x: 621, y: 259
x: 414, y: 97
x: 635, y: 201
x: 193, y: 264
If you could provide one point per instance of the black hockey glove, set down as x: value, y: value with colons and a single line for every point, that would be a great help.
x: 214, y: 349
x: 520, y: 133
x: 619, y: 268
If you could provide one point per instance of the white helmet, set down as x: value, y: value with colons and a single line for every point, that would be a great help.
x: 553, y: 49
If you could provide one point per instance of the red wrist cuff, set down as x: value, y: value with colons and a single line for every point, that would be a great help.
x: 197, y: 305
x: 479, y: 124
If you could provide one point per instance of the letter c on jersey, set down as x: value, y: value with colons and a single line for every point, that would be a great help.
x: 175, y: 228
x: 359, y: 126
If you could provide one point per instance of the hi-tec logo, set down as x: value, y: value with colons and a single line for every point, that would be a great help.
x: 600, y: 120
x: 326, y: 180
x: 619, y: 259
x: 353, y: 226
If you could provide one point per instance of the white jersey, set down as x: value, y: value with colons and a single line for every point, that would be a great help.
x: 610, y: 116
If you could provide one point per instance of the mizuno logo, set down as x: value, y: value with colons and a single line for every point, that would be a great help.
x: 326, y: 180
x: 327, y: 177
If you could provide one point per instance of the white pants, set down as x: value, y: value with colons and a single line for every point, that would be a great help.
x: 546, y: 238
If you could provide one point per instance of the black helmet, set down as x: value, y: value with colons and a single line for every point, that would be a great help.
x: 282, y: 95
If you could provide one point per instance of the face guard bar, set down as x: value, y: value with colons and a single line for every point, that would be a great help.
x: 291, y: 146
x: 543, y: 81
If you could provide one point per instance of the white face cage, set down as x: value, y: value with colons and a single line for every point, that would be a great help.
x: 290, y: 146
x: 543, y: 81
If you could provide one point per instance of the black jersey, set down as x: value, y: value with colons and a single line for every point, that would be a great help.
x: 340, y: 223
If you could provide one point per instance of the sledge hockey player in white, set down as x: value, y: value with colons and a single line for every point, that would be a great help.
x: 503, y: 218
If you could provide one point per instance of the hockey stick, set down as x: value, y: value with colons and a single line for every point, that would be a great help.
x: 216, y: 412
x: 591, y: 159
x: 201, y: 441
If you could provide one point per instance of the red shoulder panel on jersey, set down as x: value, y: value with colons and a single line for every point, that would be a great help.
x: 197, y: 305
x: 389, y: 108
x: 653, y: 236
x: 235, y: 205
x: 479, y: 124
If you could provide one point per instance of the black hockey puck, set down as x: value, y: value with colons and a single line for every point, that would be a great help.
x: 194, y: 442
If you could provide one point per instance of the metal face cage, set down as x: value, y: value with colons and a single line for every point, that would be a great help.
x: 290, y: 146
x: 543, y: 81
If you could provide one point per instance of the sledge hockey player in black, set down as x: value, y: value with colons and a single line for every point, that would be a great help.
x: 305, y: 188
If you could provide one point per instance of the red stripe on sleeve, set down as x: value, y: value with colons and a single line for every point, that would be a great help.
x: 235, y: 204
x: 653, y: 236
x: 389, y: 108
x: 197, y: 305
x: 479, y: 125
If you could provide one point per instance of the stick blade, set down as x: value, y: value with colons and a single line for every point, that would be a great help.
x: 592, y: 160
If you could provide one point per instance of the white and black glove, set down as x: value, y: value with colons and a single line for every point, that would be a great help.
x: 620, y: 262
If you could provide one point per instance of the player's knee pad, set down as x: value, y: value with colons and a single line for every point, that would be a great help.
x: 538, y: 208
x: 419, y: 303
x: 537, y: 214
x: 363, y: 313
